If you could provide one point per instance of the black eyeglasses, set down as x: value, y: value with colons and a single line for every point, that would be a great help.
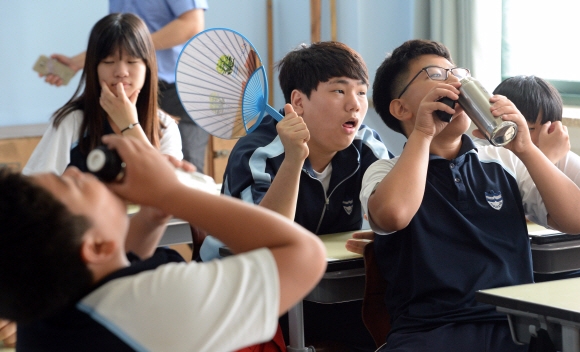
x: 437, y: 73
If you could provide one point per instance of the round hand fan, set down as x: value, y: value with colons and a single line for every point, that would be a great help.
x: 222, y: 84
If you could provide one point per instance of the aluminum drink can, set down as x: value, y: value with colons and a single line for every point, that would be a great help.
x: 106, y: 164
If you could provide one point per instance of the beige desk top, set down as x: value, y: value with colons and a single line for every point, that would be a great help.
x: 535, y: 229
x: 132, y: 209
x: 558, y: 299
x: 532, y: 227
x: 335, y: 249
x: 210, y: 188
x: 334, y: 244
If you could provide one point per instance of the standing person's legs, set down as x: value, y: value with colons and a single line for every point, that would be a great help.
x: 193, y: 138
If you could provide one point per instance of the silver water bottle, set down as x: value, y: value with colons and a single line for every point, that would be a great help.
x: 474, y: 99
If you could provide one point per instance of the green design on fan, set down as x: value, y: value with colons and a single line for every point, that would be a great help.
x: 216, y: 103
x: 225, y: 65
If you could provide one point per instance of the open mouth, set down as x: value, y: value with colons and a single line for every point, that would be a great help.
x: 349, y: 124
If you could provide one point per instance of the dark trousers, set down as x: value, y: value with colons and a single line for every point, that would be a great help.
x: 473, y: 337
x: 193, y: 138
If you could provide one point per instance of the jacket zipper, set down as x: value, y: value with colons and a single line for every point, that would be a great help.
x: 327, y: 199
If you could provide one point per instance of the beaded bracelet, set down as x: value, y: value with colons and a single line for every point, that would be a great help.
x: 129, y: 127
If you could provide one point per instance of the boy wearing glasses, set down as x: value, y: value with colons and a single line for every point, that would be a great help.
x: 450, y: 217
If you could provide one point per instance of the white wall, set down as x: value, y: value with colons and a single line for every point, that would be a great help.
x: 29, y: 28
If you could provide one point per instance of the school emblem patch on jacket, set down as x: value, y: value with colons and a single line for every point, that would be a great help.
x: 494, y: 199
x: 347, y: 205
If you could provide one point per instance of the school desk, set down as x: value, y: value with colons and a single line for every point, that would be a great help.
x: 344, y: 277
x: 343, y: 281
x: 552, y: 251
x: 553, y: 306
x: 178, y: 231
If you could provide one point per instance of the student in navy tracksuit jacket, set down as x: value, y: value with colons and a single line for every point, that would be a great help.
x: 257, y: 160
x: 309, y: 166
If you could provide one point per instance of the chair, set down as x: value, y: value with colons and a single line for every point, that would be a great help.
x: 197, y: 238
x: 374, y: 311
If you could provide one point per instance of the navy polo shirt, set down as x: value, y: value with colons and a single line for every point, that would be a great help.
x: 469, y: 234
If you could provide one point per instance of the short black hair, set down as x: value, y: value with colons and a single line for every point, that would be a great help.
x: 308, y: 65
x: 393, y: 73
x: 41, y: 269
x: 532, y: 95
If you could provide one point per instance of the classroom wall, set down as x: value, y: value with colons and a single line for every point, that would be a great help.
x: 371, y: 27
x: 29, y: 28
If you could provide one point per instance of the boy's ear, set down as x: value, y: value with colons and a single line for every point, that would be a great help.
x: 297, y: 101
x: 400, y: 110
x: 96, y: 249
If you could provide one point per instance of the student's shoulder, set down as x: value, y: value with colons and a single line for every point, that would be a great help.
x: 570, y: 165
x: 365, y: 132
x: 68, y: 125
x: 166, y: 119
x: 571, y: 158
x: 262, y: 136
x: 504, y: 158
x: 73, y: 118
x: 381, y: 167
x: 253, y: 150
x: 366, y: 137
x: 501, y: 155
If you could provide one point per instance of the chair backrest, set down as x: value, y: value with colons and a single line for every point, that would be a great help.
x: 197, y: 238
x: 374, y: 311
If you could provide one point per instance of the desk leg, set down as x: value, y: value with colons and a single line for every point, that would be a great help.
x: 570, y: 338
x: 296, y: 330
